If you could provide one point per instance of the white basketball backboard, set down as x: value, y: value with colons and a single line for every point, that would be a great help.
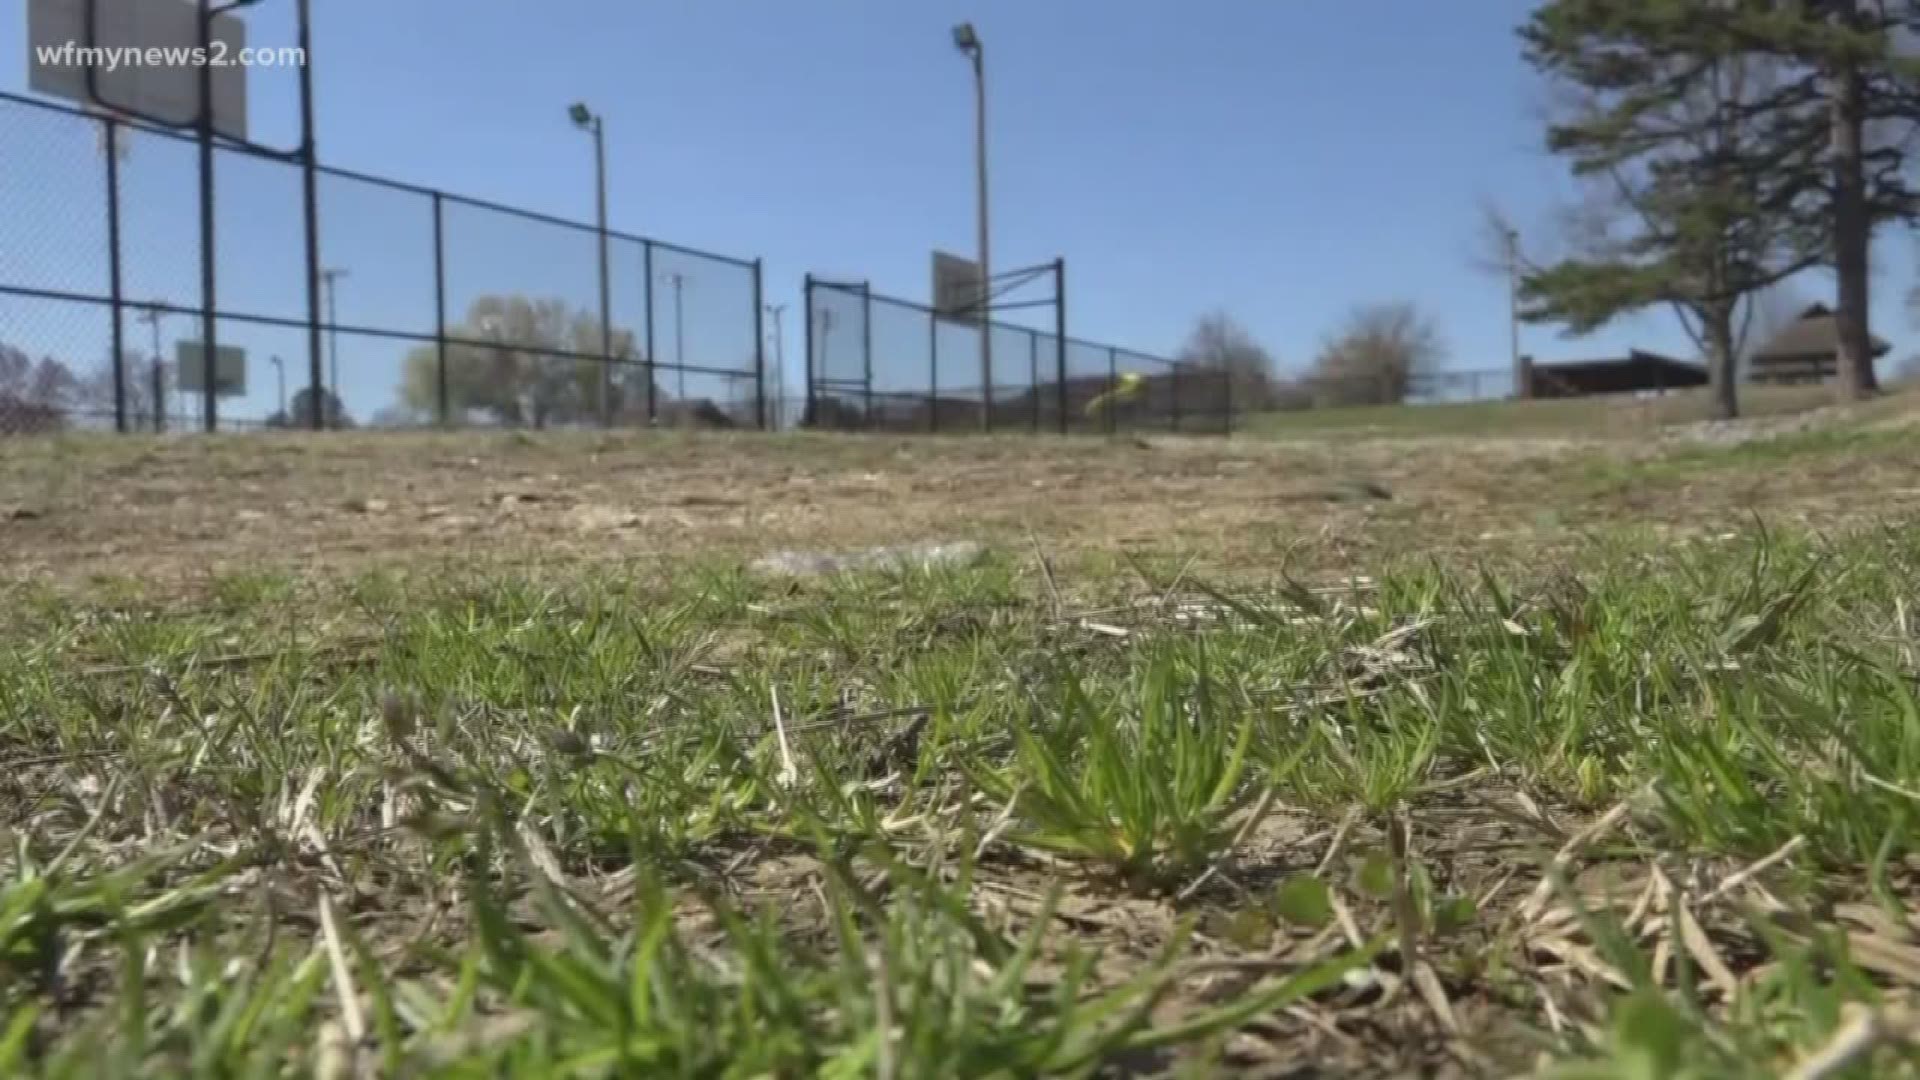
x: 956, y: 288
x: 229, y: 369
x: 143, y: 55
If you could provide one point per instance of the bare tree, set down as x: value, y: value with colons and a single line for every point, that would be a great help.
x: 1219, y: 343
x: 1376, y: 356
x: 35, y: 396
x: 93, y: 395
x: 1500, y: 245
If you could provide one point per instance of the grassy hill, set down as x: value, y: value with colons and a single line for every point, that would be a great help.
x: 1593, y: 417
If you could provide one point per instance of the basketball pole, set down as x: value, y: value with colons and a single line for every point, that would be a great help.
x: 209, y: 408
x: 205, y: 12
x: 310, y: 170
x: 203, y: 122
x: 114, y: 275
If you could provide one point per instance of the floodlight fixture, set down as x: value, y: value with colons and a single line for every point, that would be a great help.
x: 965, y: 39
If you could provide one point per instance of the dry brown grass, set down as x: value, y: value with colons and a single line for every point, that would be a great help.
x: 175, y: 509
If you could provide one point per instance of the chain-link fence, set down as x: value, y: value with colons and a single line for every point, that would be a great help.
x: 430, y: 308
x: 876, y: 363
x: 1319, y: 390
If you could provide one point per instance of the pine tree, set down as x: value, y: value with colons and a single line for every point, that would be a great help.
x: 1838, y: 131
x: 1670, y: 121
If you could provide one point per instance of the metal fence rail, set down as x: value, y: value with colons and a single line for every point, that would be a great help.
x: 878, y: 363
x: 436, y: 308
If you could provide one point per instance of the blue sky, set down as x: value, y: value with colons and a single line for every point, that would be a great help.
x: 1282, y: 160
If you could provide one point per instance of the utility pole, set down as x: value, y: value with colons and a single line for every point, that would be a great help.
x: 967, y: 40
x: 152, y: 316
x: 679, y: 280
x: 779, y: 312
x: 331, y: 278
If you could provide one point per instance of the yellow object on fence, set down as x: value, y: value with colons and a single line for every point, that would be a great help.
x: 1126, y: 389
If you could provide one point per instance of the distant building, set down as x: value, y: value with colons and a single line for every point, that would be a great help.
x: 1635, y: 373
x: 1806, y: 351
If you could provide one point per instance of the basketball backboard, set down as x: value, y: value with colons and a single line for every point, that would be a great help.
x: 957, y: 294
x: 229, y: 369
x: 144, y: 58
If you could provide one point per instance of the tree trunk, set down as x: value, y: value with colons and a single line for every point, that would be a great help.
x: 1723, y: 376
x: 1852, y: 235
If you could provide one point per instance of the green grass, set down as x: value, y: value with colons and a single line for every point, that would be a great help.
x: 1591, y: 417
x: 698, y: 824
x: 1837, y: 450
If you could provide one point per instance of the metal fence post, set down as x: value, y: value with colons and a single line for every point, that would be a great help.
x: 653, y: 403
x: 866, y: 345
x: 113, y: 275
x: 442, y: 407
x: 1033, y: 375
x: 933, y: 371
x: 759, y: 349
x: 1113, y: 382
x: 1060, y: 338
x: 1226, y: 396
x: 1173, y: 407
x: 811, y: 417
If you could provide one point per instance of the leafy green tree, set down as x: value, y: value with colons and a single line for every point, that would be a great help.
x: 518, y: 360
x: 1666, y: 120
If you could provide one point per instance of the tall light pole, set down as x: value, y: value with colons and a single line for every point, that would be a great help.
x: 325, y: 409
x: 968, y: 42
x: 593, y: 123
x: 779, y: 312
x: 679, y: 281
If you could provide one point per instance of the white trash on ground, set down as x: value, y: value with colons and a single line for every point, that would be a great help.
x: 920, y: 556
